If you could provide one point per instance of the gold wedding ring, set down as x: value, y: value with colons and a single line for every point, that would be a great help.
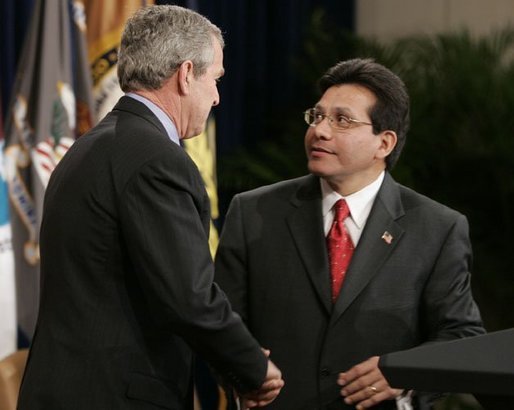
x: 373, y: 389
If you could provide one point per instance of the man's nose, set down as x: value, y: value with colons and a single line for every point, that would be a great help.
x: 323, y: 130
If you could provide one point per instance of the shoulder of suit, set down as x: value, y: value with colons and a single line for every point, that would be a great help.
x: 281, y: 188
x: 412, y: 200
x: 137, y: 110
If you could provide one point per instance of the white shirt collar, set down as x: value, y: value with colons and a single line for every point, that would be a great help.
x: 359, y: 203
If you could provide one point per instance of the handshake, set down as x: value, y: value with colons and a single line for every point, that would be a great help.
x: 269, y: 390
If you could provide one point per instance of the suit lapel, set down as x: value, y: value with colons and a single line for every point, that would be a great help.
x: 379, y: 238
x: 306, y: 225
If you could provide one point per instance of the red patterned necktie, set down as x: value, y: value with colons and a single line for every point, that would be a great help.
x: 340, y: 247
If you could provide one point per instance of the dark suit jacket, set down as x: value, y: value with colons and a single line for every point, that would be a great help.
x: 127, y: 278
x: 272, y: 263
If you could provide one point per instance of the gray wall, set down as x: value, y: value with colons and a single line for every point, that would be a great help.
x: 390, y: 19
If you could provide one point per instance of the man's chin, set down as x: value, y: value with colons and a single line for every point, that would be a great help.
x: 316, y: 170
x: 195, y: 133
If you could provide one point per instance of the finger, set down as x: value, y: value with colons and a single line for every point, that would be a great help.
x: 268, y: 397
x: 375, y: 398
x: 342, y: 379
x: 264, y: 394
x: 367, y: 367
x: 248, y: 404
x: 262, y: 400
x: 362, y: 389
x: 272, y: 384
x: 360, y: 384
x: 372, y: 395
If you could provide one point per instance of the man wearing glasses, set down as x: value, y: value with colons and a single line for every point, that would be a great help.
x: 333, y: 269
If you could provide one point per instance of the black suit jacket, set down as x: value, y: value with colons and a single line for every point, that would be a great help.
x: 127, y: 278
x: 272, y: 263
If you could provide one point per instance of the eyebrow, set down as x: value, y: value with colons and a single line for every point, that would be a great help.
x: 337, y: 110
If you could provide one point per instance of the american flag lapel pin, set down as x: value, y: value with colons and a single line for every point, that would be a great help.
x: 387, y: 237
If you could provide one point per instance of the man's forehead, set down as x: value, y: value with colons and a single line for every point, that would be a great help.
x: 346, y: 97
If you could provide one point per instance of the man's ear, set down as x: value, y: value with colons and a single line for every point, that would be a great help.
x: 388, y: 140
x: 185, y: 75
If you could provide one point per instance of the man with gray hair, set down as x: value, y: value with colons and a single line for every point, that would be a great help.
x: 127, y: 289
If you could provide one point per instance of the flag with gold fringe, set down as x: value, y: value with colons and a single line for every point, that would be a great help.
x: 202, y: 149
x: 106, y: 20
x: 50, y: 107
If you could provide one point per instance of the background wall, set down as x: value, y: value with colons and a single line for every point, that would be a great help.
x: 391, y: 19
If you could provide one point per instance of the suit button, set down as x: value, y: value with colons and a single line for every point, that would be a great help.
x: 325, y: 372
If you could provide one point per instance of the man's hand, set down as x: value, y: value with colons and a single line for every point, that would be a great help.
x: 365, y: 386
x: 267, y: 392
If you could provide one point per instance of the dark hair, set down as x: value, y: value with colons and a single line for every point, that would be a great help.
x: 391, y: 111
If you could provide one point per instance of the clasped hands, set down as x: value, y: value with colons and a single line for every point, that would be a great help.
x: 269, y: 390
x: 365, y: 386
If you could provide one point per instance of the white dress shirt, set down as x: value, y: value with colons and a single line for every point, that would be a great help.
x: 359, y: 203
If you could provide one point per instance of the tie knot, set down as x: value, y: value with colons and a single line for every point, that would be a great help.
x: 342, y: 210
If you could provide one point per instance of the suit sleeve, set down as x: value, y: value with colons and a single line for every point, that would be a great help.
x: 162, y: 227
x: 448, y: 308
x: 448, y: 305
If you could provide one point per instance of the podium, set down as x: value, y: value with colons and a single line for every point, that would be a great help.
x: 480, y: 365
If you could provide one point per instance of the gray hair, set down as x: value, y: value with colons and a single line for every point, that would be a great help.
x: 158, y: 39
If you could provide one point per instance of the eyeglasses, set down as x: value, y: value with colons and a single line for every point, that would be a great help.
x: 340, y: 122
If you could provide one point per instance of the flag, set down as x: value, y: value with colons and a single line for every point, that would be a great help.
x: 7, y: 287
x: 106, y: 21
x: 202, y: 150
x: 387, y: 237
x: 50, y: 107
